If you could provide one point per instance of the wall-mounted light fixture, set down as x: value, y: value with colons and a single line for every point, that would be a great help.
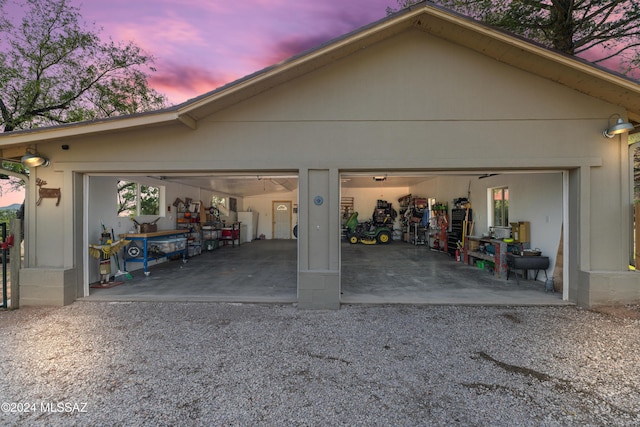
x: 620, y: 127
x: 32, y: 159
x: 379, y: 178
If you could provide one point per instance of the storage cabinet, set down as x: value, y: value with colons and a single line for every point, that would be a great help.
x: 458, y: 228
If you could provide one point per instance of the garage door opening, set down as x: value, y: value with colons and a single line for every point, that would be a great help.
x: 220, y: 245
x: 447, y: 228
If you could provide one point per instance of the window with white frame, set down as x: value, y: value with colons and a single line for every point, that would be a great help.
x: 135, y: 199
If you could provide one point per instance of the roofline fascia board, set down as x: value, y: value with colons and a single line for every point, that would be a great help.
x: 87, y: 128
x: 187, y: 120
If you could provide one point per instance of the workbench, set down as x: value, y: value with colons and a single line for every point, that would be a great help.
x: 145, y: 238
x: 473, y: 251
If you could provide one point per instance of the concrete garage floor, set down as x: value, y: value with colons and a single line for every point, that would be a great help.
x: 264, y: 271
x: 408, y: 274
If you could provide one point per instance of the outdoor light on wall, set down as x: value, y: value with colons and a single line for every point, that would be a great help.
x: 32, y: 159
x: 620, y: 127
x: 379, y: 178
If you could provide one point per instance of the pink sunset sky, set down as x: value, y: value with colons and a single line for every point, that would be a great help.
x: 200, y: 45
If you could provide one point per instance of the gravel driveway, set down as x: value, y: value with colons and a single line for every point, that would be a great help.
x: 213, y: 364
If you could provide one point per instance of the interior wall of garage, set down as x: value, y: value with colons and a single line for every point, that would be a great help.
x: 262, y: 204
x: 533, y: 197
x: 365, y: 199
x: 102, y: 210
x: 536, y: 198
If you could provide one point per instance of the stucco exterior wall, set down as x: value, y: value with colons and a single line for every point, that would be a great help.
x: 413, y: 102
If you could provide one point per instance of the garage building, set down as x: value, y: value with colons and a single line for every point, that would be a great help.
x: 424, y: 105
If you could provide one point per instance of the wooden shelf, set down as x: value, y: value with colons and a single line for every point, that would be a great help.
x: 480, y: 255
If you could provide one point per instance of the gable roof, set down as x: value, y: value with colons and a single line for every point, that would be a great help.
x: 507, y: 48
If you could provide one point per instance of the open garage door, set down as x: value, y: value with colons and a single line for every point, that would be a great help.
x: 433, y: 213
x: 221, y: 224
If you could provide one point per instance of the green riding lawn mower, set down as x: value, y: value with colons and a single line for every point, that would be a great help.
x: 377, y: 231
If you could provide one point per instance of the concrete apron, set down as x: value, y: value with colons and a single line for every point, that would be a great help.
x: 265, y: 271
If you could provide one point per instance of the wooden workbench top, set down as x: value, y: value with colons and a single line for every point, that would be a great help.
x: 155, y: 233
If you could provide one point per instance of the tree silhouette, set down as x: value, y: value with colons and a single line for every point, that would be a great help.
x: 53, y: 71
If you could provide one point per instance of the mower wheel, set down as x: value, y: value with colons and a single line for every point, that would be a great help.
x: 353, y: 239
x: 383, y: 237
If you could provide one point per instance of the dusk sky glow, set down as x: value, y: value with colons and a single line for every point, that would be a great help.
x: 200, y: 45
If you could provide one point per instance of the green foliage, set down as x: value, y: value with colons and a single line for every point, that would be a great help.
x: 149, y: 200
x: 597, y: 29
x: 130, y: 193
x: 127, y: 198
x: 6, y: 216
x: 54, y: 71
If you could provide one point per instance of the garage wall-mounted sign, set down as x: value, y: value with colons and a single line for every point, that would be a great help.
x: 47, y: 193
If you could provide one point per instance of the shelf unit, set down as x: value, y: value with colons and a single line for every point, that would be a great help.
x: 438, y: 226
x: 189, y: 216
x: 346, y: 208
x: 211, y: 234
x: 411, y: 210
x: 230, y: 234
x: 492, y: 250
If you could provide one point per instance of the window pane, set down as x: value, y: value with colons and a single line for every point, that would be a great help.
x: 127, y: 192
x: 500, y: 197
x: 149, y: 200
x: 505, y: 207
x: 215, y: 201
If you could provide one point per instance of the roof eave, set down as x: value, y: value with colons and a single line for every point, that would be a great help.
x: 79, y: 129
x: 443, y: 23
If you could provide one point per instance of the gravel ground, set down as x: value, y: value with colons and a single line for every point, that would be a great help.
x: 242, y: 364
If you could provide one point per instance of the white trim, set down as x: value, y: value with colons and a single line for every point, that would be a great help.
x: 85, y: 234
x: 565, y: 236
